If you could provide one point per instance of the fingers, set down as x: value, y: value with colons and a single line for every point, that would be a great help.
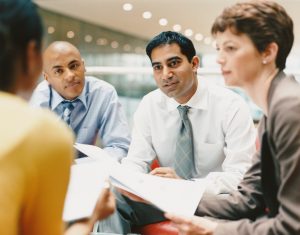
x: 176, y: 219
x: 166, y: 172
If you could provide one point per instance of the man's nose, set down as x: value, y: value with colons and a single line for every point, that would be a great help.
x: 167, y: 73
x: 69, y: 75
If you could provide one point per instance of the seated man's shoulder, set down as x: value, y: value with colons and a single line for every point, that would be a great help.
x: 153, y: 95
x: 97, y: 83
x: 43, y: 85
x: 224, y: 94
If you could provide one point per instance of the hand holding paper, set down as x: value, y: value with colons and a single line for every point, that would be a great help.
x: 87, y: 179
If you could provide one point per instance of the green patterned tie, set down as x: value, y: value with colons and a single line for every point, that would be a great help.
x: 184, y: 157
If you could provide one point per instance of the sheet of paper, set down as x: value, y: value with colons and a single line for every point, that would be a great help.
x: 170, y: 195
x: 86, y: 183
x: 97, y: 154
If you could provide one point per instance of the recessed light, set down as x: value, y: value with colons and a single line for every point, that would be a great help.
x: 70, y: 34
x: 163, y: 21
x: 102, y: 41
x: 207, y: 40
x: 199, y: 37
x: 126, y: 47
x: 88, y: 38
x: 188, y: 32
x: 51, y: 30
x: 147, y: 15
x: 177, y: 27
x: 127, y: 6
x: 114, y: 44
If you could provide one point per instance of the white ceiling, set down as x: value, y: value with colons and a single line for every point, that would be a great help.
x: 197, y: 15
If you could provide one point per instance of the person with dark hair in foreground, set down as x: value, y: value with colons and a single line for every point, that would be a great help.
x: 36, y: 149
x: 253, y: 40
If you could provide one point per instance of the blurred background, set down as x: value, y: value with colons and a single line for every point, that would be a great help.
x: 112, y: 35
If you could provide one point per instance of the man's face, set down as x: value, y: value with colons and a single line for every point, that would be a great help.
x: 64, y: 70
x: 174, y: 74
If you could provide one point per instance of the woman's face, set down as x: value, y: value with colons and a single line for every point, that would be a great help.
x: 241, y: 63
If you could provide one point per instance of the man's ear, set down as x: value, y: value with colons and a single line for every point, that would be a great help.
x: 45, y: 76
x: 195, y: 63
x: 82, y: 60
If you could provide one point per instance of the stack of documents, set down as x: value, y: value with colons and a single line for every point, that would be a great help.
x: 87, y: 179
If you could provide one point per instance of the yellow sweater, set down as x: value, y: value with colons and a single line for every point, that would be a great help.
x: 35, y: 157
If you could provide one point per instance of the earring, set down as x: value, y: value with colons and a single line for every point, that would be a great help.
x: 264, y: 62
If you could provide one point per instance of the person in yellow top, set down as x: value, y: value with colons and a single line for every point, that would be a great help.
x: 35, y: 148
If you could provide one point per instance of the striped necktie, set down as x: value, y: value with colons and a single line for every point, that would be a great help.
x: 67, y: 109
x: 184, y: 157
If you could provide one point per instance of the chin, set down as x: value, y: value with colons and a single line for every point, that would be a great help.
x: 229, y: 81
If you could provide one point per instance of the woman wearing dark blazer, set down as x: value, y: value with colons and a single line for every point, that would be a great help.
x: 253, y: 41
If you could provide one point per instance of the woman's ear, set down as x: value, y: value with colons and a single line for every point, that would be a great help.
x: 270, y: 53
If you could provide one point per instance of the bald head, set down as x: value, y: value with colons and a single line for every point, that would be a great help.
x: 57, y: 50
x: 64, y: 69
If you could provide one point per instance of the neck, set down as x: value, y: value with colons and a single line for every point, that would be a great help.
x: 189, y: 94
x: 259, y: 88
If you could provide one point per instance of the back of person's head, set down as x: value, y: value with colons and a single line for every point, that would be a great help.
x: 186, y: 45
x: 263, y: 22
x: 19, y: 24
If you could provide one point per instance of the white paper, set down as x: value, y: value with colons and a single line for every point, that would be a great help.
x: 170, y: 195
x: 86, y: 183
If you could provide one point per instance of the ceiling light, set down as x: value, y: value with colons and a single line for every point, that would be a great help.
x: 147, y: 15
x: 207, y: 40
x: 70, y: 34
x: 188, y: 32
x: 51, y: 30
x: 114, y: 44
x: 102, y: 41
x: 88, y: 38
x: 199, y: 37
x: 177, y: 27
x: 163, y: 21
x: 126, y: 47
x: 127, y: 6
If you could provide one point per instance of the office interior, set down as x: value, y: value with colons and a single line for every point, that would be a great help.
x: 112, y: 35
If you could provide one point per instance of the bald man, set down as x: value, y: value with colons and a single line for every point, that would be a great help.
x: 88, y: 105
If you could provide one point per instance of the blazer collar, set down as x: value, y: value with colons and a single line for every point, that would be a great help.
x: 279, y: 76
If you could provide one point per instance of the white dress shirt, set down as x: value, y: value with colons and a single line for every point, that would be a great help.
x: 223, y: 134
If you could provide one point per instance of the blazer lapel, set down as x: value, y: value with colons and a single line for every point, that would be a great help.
x: 268, y: 178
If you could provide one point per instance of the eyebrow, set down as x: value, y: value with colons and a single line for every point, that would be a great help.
x: 60, y: 66
x: 174, y: 58
x: 168, y: 60
x: 56, y: 67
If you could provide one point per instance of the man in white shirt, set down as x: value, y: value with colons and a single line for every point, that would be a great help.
x: 223, y: 133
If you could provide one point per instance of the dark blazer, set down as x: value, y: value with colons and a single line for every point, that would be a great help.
x: 268, y: 198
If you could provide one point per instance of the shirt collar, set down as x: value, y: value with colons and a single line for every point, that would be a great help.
x: 198, y: 101
x: 57, y: 98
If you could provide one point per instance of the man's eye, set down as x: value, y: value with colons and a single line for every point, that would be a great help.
x: 74, y: 66
x: 173, y: 63
x: 58, y: 71
x: 157, y: 67
x: 230, y: 48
